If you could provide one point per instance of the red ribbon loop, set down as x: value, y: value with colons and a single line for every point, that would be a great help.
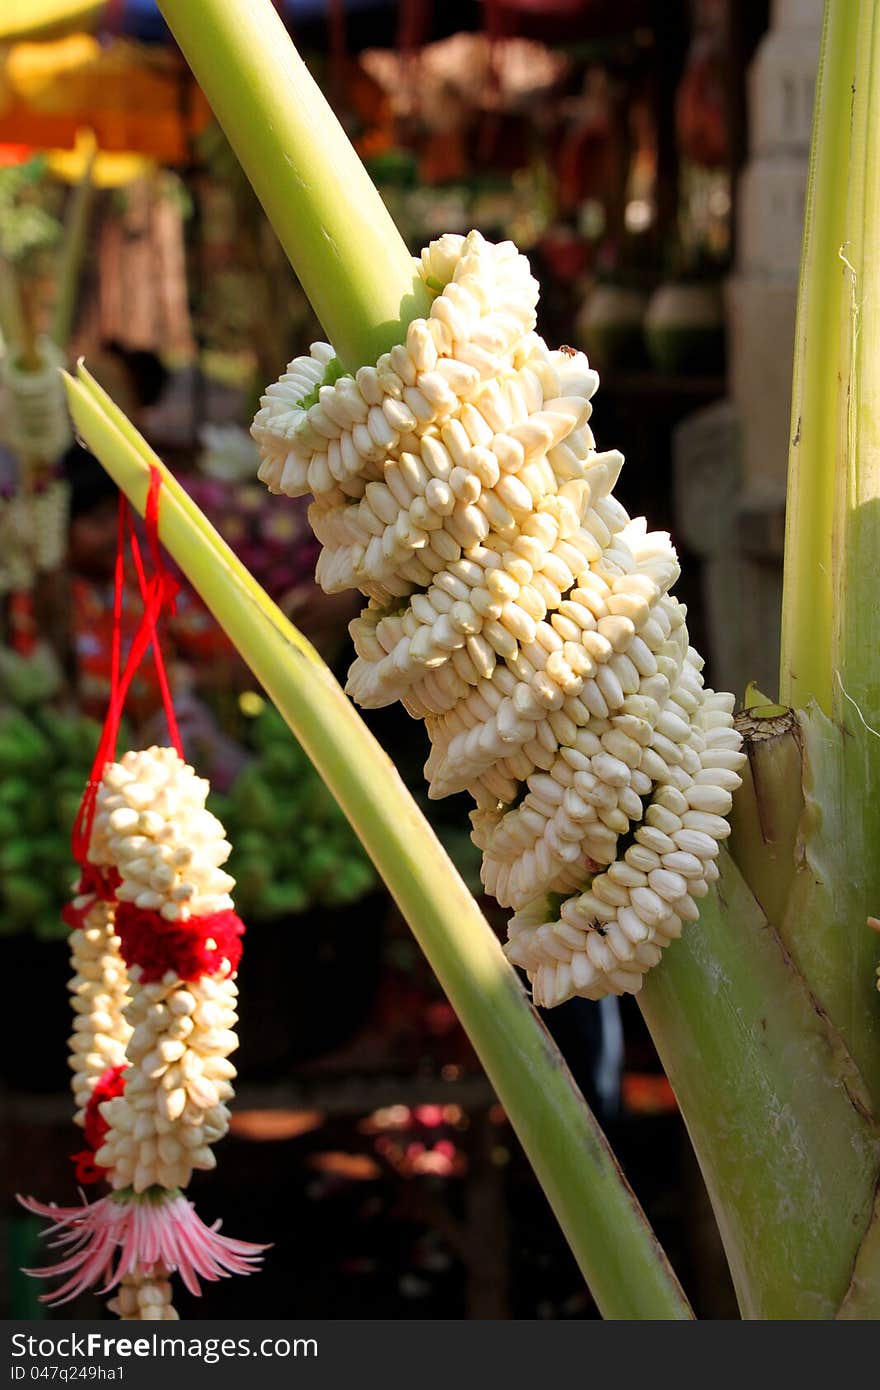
x: 158, y: 592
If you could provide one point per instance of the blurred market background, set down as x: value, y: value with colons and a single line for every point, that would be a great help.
x: 650, y: 157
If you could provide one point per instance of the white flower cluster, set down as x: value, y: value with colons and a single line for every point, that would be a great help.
x: 99, y: 989
x: 33, y: 533
x: 515, y: 606
x: 179, y: 1077
x: 36, y: 421
x: 144, y: 1297
x: 152, y: 824
x: 603, y: 940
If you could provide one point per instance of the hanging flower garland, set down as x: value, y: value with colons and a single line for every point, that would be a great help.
x: 99, y: 984
x: 517, y: 608
x: 155, y: 945
x: 33, y: 516
x: 99, y: 992
x: 181, y: 942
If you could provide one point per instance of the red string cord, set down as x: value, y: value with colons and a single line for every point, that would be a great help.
x: 157, y: 592
x: 166, y: 587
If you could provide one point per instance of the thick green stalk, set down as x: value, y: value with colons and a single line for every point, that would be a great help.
x: 804, y: 843
x: 857, y: 517
x: 789, y: 1160
x: 808, y: 589
x: 328, y: 216
x: 834, y: 536
x: 836, y: 886
x: 618, y: 1254
x: 769, y: 1029
x: 863, y: 1295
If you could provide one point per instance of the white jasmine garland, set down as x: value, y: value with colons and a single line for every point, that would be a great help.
x: 151, y: 821
x: 166, y: 1033
x: 99, y: 993
x: 515, y: 607
x: 144, y: 1297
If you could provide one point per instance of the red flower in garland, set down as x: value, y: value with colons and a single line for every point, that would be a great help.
x: 107, y: 1087
x: 94, y: 882
x: 199, y: 946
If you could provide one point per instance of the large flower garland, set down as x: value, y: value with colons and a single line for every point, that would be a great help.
x: 33, y: 519
x: 517, y: 609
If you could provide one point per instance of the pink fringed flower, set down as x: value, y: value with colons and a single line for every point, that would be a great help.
x: 106, y: 1240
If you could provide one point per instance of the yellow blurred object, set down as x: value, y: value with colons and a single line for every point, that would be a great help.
x: 137, y: 100
x: 108, y: 170
x: 26, y: 19
x: 251, y: 704
x: 39, y: 74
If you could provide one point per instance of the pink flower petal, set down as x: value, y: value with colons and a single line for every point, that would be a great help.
x: 137, y: 1232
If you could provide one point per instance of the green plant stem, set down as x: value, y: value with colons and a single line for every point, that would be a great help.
x: 783, y: 1015
x: 328, y: 216
x: 75, y: 238
x: 15, y: 319
x: 835, y: 888
x: 838, y: 883
x: 857, y: 519
x: 803, y: 845
x: 11, y: 324
x: 617, y: 1252
x: 808, y: 585
x: 862, y: 1299
x: 789, y: 1160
